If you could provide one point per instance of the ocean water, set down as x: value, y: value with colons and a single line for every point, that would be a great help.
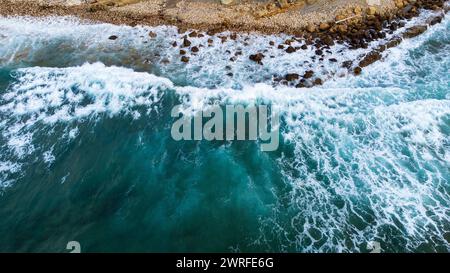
x: 86, y: 153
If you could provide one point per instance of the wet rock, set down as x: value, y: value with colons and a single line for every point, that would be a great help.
x: 193, y: 34
x: 280, y: 46
x: 184, y: 59
x: 327, y: 40
x: 393, y: 42
x: 370, y: 58
x: 257, y: 57
x: 347, y: 64
x: 434, y: 20
x: 304, y: 47
x: 290, y: 49
x: 414, y: 31
x: 308, y: 74
x: 318, y: 81
x: 112, y: 37
x: 292, y: 77
x: 174, y: 44
x: 272, y: 43
x: 333, y: 60
x: 357, y: 70
x: 186, y: 42
x: 182, y: 52
x: 194, y: 49
x: 152, y: 34
x: 288, y: 42
x: 319, y: 52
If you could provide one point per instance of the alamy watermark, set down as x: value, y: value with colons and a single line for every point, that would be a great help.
x: 229, y: 122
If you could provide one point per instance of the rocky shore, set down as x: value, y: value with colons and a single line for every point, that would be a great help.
x: 316, y: 27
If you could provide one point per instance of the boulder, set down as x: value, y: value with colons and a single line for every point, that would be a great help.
x: 290, y: 49
x: 414, y: 31
x: 291, y: 77
x: 186, y: 42
x: 370, y: 58
x: 257, y: 57
x: 308, y: 74
x: 184, y: 59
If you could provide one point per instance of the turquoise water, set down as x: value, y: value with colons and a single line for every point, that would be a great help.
x: 86, y: 152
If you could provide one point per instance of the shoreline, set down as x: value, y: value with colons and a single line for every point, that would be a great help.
x: 315, y: 19
x: 357, y: 32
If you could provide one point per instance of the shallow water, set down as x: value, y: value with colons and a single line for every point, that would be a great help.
x: 87, y: 155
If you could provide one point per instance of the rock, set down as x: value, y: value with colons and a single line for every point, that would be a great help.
x: 184, y: 59
x: 291, y: 77
x: 357, y: 10
x: 272, y: 43
x: 182, y: 52
x: 319, y: 52
x: 174, y: 44
x: 414, y: 31
x: 112, y: 37
x: 328, y: 41
x: 318, y: 81
x: 393, y: 42
x: 370, y: 58
x: 257, y: 57
x: 333, y: 60
x: 300, y: 85
x: 210, y: 41
x: 290, y: 49
x: 152, y: 34
x: 357, y: 70
x: 193, y: 34
x: 434, y: 20
x: 308, y: 74
x: 399, y: 4
x: 280, y: 46
x: 194, y: 49
x: 311, y: 28
x: 372, y: 10
x: 347, y: 64
x: 342, y: 28
x: 304, y: 47
x: 288, y: 42
x: 324, y: 26
x: 186, y: 42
